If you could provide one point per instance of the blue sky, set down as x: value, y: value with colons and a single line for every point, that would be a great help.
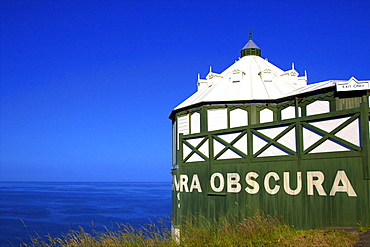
x: 87, y: 86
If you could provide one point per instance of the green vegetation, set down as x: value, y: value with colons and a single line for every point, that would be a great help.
x: 363, y: 229
x: 258, y: 230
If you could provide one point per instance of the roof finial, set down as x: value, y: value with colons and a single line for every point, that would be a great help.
x: 250, y: 49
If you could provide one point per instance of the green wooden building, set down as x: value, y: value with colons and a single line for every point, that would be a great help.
x: 255, y: 137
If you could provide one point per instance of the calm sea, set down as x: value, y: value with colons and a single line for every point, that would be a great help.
x: 27, y: 208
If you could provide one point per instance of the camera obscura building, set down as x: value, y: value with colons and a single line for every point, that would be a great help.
x: 257, y: 138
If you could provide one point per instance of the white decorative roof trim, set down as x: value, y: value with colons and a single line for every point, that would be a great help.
x: 254, y: 78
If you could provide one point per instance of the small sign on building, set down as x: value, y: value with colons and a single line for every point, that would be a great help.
x: 353, y: 84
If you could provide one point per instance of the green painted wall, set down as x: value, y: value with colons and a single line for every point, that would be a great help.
x: 301, y: 210
x: 305, y: 209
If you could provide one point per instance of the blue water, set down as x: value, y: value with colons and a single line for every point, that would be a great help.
x: 27, y: 208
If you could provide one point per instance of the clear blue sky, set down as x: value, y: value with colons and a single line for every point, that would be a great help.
x: 87, y: 86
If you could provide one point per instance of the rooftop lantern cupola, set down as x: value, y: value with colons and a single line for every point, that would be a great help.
x: 250, y: 49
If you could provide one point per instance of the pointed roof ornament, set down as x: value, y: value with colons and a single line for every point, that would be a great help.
x: 250, y: 49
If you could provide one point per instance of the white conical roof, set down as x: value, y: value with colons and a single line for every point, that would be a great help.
x: 249, y: 78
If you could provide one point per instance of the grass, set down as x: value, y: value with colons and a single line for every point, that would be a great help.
x: 363, y: 229
x: 257, y: 230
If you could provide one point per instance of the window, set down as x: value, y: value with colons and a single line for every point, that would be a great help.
x: 217, y: 119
